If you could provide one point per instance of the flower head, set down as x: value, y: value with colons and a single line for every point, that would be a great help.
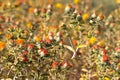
x: 104, y: 58
x: 76, y: 1
x: 19, y: 41
x: 58, y: 5
x: 117, y: 1
x: 65, y: 64
x: 31, y: 46
x: 85, y: 16
x: 54, y: 64
x: 92, y: 40
x: 42, y: 52
x: 2, y: 45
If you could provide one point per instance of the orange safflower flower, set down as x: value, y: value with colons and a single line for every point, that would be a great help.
x: 37, y: 38
x: 54, y: 64
x: 74, y: 42
x: 8, y: 36
x: 105, y: 58
x: 29, y: 25
x: 0, y: 32
x: 20, y: 41
x: 31, y: 10
x: 2, y: 45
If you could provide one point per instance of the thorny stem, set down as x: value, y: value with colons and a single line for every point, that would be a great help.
x: 10, y: 70
x: 14, y: 78
x: 74, y: 54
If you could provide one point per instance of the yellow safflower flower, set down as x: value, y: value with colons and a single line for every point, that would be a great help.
x: 117, y: 1
x: 58, y: 5
x: 85, y: 16
x: 37, y: 38
x: 101, y: 43
x: 92, y: 40
x: 76, y: 1
x: 106, y: 78
x: 29, y: 25
x: 2, y: 45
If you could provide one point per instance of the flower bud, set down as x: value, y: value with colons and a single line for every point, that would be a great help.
x: 69, y: 9
x: 100, y: 17
x: 43, y: 10
x: 42, y: 52
x: 79, y: 17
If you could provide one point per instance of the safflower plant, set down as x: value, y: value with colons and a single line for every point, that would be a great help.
x: 52, y: 40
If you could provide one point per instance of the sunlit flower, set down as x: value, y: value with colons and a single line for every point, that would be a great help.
x: 106, y: 78
x: 65, y: 64
x: 68, y: 8
x: 8, y: 36
x: 104, y: 52
x: 1, y: 32
x: 51, y: 35
x: 48, y: 40
x: 2, y: 45
x: 100, y: 17
x: 54, y: 64
x: 30, y: 46
x: 29, y: 25
x: 117, y: 49
x: 20, y: 41
x: 117, y: 1
x: 74, y: 42
x: 92, y: 40
x: 25, y: 52
x: 76, y: 1
x: 101, y: 43
x: 85, y: 16
x: 31, y: 10
x: 25, y: 59
x: 58, y: 5
x: 37, y: 38
x: 104, y: 58
x: 42, y: 52
x: 43, y: 10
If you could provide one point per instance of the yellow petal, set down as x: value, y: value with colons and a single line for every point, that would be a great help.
x: 81, y: 46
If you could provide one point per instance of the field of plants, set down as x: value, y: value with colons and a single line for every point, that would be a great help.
x: 59, y: 39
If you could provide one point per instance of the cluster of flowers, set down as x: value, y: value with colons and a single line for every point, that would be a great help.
x: 41, y: 43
